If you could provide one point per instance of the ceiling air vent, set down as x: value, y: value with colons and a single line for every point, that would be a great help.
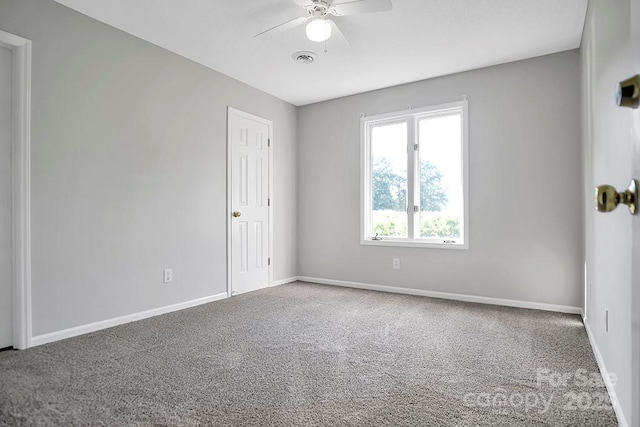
x: 304, y: 57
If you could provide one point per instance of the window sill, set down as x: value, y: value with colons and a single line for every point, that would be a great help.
x: 415, y: 244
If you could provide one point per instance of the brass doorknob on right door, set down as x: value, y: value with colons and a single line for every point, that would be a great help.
x: 236, y: 214
x: 608, y: 198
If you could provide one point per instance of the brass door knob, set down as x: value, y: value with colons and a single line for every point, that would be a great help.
x: 236, y: 214
x: 608, y: 198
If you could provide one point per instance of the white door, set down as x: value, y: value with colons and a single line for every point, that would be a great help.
x: 6, y: 276
x: 249, y: 209
x: 613, y: 248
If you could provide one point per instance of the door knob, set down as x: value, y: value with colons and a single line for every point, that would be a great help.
x: 608, y: 198
x: 236, y: 214
x: 628, y: 92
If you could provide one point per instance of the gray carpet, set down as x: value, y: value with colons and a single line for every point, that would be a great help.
x: 313, y: 355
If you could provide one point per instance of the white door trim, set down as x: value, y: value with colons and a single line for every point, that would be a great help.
x: 21, y: 187
x: 230, y: 111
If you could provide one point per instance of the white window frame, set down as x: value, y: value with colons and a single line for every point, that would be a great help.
x: 412, y: 118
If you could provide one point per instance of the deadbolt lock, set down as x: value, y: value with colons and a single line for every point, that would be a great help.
x: 628, y: 92
x: 236, y: 214
x: 608, y: 198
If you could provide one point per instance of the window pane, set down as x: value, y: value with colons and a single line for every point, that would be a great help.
x: 441, y: 195
x: 389, y: 180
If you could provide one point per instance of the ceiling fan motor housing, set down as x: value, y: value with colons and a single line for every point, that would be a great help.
x: 319, y: 8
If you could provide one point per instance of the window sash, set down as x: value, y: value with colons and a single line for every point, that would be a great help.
x: 408, y: 196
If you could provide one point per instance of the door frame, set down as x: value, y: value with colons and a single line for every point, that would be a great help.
x: 21, y: 186
x: 234, y: 111
x: 635, y: 246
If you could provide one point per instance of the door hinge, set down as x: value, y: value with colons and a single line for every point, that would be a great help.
x: 416, y: 208
x: 268, y: 202
x: 415, y: 147
x: 268, y: 261
x: 269, y: 142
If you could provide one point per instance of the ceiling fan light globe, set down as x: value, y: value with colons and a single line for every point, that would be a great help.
x: 318, y: 30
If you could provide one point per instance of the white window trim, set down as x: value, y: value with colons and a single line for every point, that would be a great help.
x: 410, y: 116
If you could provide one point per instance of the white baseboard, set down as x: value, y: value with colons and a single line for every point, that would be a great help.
x: 284, y: 281
x: 622, y: 421
x: 446, y: 295
x: 103, y: 324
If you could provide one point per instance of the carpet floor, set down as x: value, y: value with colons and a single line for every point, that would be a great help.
x: 313, y: 355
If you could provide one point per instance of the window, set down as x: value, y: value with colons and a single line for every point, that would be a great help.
x: 414, y: 178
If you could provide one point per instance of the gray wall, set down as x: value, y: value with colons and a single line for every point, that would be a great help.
x: 608, y: 153
x: 525, y: 199
x: 129, y: 170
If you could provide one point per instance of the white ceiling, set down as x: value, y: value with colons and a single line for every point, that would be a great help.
x: 418, y: 39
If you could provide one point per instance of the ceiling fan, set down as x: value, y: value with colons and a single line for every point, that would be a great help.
x: 319, y: 28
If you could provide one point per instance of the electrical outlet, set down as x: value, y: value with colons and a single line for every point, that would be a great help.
x: 396, y: 263
x: 167, y: 275
x: 606, y: 319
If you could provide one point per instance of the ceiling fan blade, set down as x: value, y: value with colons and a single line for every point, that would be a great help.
x: 337, y: 36
x: 354, y: 7
x: 303, y: 3
x: 283, y: 27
